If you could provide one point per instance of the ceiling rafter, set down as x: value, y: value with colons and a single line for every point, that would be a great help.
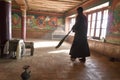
x: 60, y: 6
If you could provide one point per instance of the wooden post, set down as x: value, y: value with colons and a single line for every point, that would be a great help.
x: 5, y: 23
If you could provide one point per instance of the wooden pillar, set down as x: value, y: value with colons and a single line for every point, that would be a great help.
x: 5, y: 23
x: 23, y: 22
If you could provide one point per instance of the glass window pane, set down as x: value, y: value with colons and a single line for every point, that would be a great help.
x: 105, y: 14
x: 88, y: 24
x: 92, y: 32
x: 98, y: 24
x: 93, y: 24
x: 89, y: 17
x: 99, y: 15
x: 103, y: 33
x: 88, y: 31
x: 94, y: 16
x: 104, y: 24
x: 97, y: 33
x: 72, y: 22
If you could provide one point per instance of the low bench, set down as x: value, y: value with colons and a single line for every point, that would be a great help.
x: 30, y: 45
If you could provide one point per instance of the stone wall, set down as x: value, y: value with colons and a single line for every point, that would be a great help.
x: 32, y: 33
x: 107, y: 49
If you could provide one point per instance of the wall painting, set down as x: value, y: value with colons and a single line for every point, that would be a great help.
x: 113, y: 34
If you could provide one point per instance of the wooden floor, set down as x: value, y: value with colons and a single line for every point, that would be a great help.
x: 49, y: 63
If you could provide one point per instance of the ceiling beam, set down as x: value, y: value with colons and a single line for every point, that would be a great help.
x: 22, y: 4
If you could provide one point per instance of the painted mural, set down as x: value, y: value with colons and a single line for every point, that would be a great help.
x: 16, y: 20
x: 115, y: 26
x: 42, y: 22
x: 116, y: 22
x: 37, y: 21
x: 113, y: 35
x: 31, y: 21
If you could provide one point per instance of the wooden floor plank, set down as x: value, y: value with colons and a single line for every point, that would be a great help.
x: 49, y: 63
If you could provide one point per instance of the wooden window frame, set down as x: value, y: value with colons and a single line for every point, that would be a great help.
x: 91, y: 13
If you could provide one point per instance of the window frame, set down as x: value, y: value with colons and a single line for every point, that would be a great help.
x: 101, y: 22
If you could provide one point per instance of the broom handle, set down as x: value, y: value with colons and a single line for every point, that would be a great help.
x: 60, y: 43
x: 69, y: 32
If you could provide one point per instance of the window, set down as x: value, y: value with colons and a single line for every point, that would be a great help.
x: 72, y: 22
x: 97, y: 21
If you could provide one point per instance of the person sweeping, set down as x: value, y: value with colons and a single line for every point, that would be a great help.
x: 80, y: 48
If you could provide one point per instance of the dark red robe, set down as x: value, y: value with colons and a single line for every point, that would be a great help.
x: 80, y: 46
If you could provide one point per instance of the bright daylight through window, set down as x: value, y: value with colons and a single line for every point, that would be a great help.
x: 97, y: 21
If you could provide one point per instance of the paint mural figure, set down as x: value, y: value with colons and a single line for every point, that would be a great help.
x: 16, y: 20
x: 80, y: 48
x: 53, y: 21
x: 114, y: 20
x: 31, y: 21
x: 113, y: 34
x: 41, y: 21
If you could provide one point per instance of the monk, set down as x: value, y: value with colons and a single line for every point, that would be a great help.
x: 80, y: 48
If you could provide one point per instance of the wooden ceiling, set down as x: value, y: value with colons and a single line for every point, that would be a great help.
x: 59, y: 6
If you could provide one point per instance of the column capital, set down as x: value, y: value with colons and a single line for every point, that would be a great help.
x: 23, y: 7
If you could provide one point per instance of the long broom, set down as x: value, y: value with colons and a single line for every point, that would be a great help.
x: 62, y: 40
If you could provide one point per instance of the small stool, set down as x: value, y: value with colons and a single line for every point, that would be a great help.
x: 30, y: 45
